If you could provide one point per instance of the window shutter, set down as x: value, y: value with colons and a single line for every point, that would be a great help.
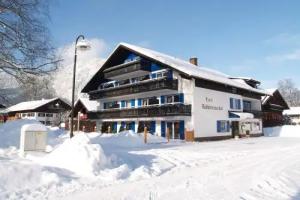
x: 181, y: 98
x: 163, y: 128
x: 122, y: 104
x: 231, y: 103
x: 132, y: 103
x: 132, y: 126
x: 181, y: 130
x: 170, y: 74
x: 218, y: 126
x: 228, y: 126
x: 115, y: 124
x: 162, y: 99
x: 139, y: 102
x: 239, y: 104
x: 152, y: 127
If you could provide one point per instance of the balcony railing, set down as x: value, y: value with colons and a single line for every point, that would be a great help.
x: 127, y: 68
x: 149, y: 111
x: 144, y: 86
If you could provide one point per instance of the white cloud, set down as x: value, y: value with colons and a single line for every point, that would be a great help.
x: 279, y: 58
x: 88, y: 63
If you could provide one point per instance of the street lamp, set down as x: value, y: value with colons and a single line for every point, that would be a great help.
x: 81, y: 45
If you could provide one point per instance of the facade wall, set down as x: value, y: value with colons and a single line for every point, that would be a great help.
x: 211, y: 106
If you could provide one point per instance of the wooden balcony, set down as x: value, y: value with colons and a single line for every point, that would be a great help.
x: 256, y: 113
x: 149, y: 111
x: 144, y: 86
x: 137, y: 68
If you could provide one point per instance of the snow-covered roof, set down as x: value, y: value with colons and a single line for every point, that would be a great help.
x: 190, y: 69
x: 265, y: 98
x: 292, y: 111
x: 29, y: 105
x: 88, y: 104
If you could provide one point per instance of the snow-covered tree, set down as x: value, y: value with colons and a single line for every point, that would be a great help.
x: 290, y: 93
x: 37, y: 87
x: 88, y: 63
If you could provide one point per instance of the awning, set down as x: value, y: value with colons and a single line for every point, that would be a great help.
x: 241, y: 115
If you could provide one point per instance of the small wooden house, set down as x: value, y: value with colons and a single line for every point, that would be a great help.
x: 272, y: 108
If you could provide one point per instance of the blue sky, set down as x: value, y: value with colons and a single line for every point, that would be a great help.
x: 260, y: 39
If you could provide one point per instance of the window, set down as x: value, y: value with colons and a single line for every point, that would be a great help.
x: 110, y: 105
x: 30, y: 114
x: 48, y: 123
x: 235, y: 103
x: 247, y: 105
x: 175, y: 98
x: 49, y: 115
x: 24, y: 114
x: 223, y: 126
x: 145, y: 102
x: 41, y: 114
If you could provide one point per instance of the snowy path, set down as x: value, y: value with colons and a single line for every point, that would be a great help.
x: 255, y: 168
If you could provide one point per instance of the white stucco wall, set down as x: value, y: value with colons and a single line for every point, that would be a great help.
x: 210, y: 106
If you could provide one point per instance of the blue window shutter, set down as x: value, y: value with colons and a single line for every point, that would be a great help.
x: 231, y: 103
x: 139, y: 102
x: 181, y: 98
x: 181, y: 130
x: 122, y: 104
x: 162, y: 99
x: 152, y: 127
x: 132, y: 103
x: 132, y: 126
x: 153, y: 75
x: 163, y: 129
x: 115, y: 124
x: 228, y: 126
x: 239, y: 104
x: 170, y: 74
x: 123, y: 124
x: 218, y: 126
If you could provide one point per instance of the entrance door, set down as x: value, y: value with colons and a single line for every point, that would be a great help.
x: 170, y: 129
x: 234, y: 128
x: 176, y: 130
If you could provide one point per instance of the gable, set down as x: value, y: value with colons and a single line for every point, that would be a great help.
x: 276, y: 100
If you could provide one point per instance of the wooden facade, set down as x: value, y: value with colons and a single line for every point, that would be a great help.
x: 272, y: 108
x: 85, y: 124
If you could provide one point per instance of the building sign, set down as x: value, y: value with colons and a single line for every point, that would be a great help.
x: 208, y: 105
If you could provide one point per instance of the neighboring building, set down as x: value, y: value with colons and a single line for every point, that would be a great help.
x: 293, y: 114
x: 138, y: 87
x: 272, y: 107
x: 48, y: 111
x: 3, y: 114
x: 82, y: 107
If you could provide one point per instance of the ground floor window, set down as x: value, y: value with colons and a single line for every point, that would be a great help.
x: 109, y: 127
x: 127, y: 126
x: 149, y: 124
x: 223, y: 126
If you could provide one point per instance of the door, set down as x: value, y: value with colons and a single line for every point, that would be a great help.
x: 170, y: 129
x: 234, y: 128
x: 176, y: 130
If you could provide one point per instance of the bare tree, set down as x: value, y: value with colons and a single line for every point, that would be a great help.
x: 37, y: 87
x: 24, y: 40
x: 290, y: 93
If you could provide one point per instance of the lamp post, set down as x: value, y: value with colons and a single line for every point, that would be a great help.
x: 81, y: 45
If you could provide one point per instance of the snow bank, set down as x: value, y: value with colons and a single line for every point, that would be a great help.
x: 78, y: 155
x: 17, y: 177
x: 282, y: 131
x: 127, y: 139
x: 11, y: 130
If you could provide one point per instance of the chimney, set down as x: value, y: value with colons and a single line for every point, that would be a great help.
x: 194, y: 61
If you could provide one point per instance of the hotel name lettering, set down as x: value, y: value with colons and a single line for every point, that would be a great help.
x: 207, y: 105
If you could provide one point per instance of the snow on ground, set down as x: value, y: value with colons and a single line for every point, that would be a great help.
x: 283, y: 131
x: 121, y: 166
